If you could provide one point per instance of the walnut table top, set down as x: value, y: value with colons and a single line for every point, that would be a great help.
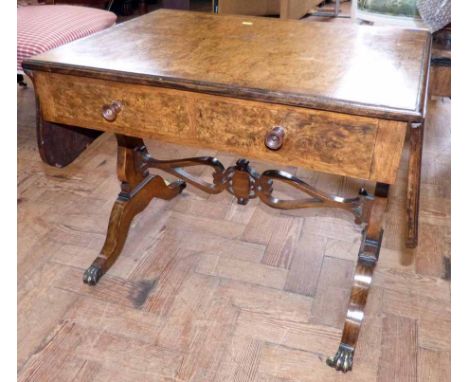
x: 368, y: 70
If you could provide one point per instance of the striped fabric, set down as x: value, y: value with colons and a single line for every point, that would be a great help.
x: 43, y: 27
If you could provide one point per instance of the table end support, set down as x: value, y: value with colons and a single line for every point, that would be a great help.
x: 138, y: 188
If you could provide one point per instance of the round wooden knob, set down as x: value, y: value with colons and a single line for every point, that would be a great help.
x: 109, y: 112
x: 274, y: 138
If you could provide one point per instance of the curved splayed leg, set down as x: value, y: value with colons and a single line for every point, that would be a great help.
x: 138, y: 188
x: 367, y: 261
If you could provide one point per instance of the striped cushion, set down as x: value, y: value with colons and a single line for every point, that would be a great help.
x: 43, y: 27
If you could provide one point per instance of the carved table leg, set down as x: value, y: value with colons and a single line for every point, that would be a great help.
x: 138, y: 187
x: 367, y: 260
x: 137, y: 190
x: 142, y: 7
x: 127, y: 7
x: 414, y: 183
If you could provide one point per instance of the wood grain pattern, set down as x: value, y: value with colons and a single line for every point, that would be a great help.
x: 414, y: 184
x: 70, y: 332
x: 320, y: 140
x: 441, y: 81
x: 367, y: 260
x: 59, y: 145
x: 324, y: 141
x: 138, y: 188
x: 387, y: 151
x: 359, y: 146
x: 400, y: 338
x: 333, y: 142
x: 441, y: 73
x: 376, y: 71
x: 433, y: 366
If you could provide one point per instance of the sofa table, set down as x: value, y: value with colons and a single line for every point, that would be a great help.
x: 280, y: 91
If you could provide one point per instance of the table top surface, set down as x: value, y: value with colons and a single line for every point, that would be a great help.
x: 356, y: 69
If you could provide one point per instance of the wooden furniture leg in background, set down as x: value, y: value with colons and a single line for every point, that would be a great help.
x: 414, y: 183
x: 127, y: 8
x: 142, y: 7
x: 138, y: 188
x: 441, y: 63
x: 367, y: 260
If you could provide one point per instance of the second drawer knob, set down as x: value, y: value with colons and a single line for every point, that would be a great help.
x: 109, y: 112
x: 275, y: 137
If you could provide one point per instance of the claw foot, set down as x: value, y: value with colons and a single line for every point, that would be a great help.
x: 182, y: 185
x: 92, y: 275
x: 343, y: 359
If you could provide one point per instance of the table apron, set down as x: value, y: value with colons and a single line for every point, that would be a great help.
x: 342, y: 144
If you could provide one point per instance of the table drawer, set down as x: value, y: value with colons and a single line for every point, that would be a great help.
x: 343, y: 144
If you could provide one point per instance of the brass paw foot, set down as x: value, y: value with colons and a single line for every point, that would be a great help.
x: 343, y: 359
x: 92, y: 275
x: 180, y: 185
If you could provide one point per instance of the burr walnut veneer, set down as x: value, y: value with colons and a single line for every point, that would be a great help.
x: 281, y: 91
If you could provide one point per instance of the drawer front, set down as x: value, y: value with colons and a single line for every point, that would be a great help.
x: 324, y: 141
x: 337, y: 143
x: 79, y: 101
